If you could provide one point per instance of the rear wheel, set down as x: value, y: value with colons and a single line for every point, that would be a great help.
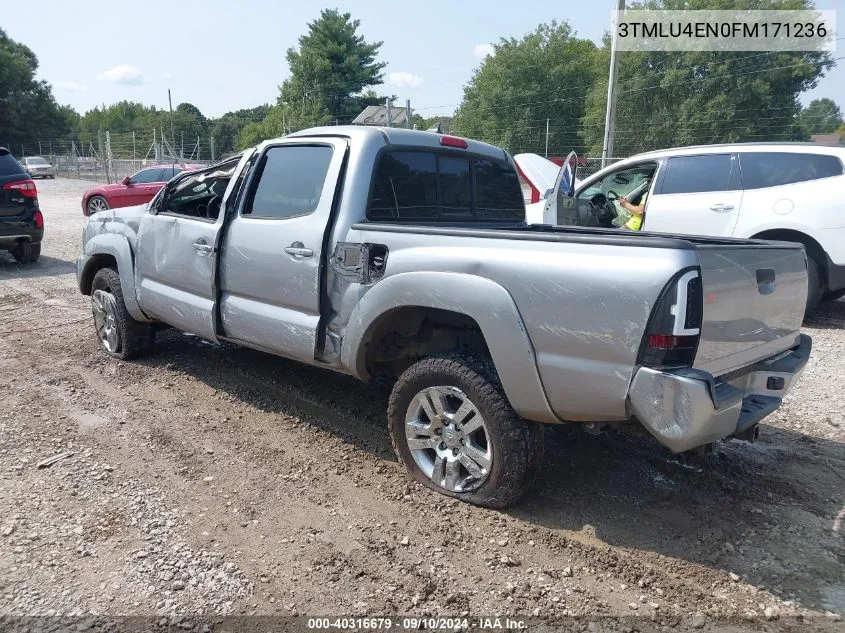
x: 455, y: 432
x: 26, y: 253
x: 815, y: 284
x: 97, y: 204
x: 119, y: 334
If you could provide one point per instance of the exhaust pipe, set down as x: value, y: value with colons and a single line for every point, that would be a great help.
x: 750, y: 434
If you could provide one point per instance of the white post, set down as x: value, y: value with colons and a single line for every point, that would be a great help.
x: 610, y: 114
x: 547, y: 138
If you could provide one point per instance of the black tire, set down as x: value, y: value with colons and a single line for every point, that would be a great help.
x: 26, y: 253
x: 833, y: 296
x: 516, y: 444
x: 815, y: 284
x: 135, y: 338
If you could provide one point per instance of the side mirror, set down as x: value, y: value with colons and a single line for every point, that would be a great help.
x: 125, y: 181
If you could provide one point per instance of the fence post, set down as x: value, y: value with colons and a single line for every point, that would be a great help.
x: 102, y: 152
x: 212, y: 149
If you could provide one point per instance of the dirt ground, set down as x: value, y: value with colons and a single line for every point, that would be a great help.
x: 208, y: 480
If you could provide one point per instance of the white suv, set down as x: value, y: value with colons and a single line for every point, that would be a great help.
x: 777, y: 191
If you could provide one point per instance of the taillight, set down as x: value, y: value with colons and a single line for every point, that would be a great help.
x: 674, y: 328
x: 25, y: 187
x: 39, y: 220
x: 453, y: 141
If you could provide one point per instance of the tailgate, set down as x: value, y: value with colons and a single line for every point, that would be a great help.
x: 754, y: 299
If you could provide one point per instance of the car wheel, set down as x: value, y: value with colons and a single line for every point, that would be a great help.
x: 119, y: 334
x: 455, y: 432
x: 26, y: 253
x: 815, y: 285
x: 97, y: 204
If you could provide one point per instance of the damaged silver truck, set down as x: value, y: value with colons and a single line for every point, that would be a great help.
x: 405, y: 256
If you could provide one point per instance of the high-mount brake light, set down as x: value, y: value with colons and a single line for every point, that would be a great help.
x: 453, y: 141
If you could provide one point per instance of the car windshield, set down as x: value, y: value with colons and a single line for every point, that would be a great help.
x: 36, y: 161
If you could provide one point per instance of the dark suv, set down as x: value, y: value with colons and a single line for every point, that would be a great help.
x: 21, y: 222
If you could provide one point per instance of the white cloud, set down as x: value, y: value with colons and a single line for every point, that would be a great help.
x: 405, y: 80
x: 482, y: 50
x: 71, y: 86
x: 123, y: 74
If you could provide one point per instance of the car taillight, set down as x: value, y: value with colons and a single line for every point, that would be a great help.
x: 674, y: 328
x: 26, y: 187
x: 39, y: 220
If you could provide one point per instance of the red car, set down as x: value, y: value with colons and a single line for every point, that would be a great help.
x: 137, y: 189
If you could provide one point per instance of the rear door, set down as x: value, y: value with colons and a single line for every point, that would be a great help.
x: 696, y: 195
x: 272, y: 251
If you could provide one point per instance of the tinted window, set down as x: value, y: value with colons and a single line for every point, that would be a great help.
x: 455, y: 186
x: 421, y: 185
x: 693, y: 174
x: 291, y: 181
x: 770, y: 169
x: 168, y: 172
x: 497, y: 190
x: 147, y: 175
x: 9, y: 166
x: 405, y: 186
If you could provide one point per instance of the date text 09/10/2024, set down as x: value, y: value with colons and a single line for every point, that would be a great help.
x: 414, y: 623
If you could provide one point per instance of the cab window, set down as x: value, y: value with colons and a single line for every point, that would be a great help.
x: 146, y: 175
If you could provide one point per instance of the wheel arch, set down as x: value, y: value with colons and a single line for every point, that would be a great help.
x: 113, y: 250
x: 811, y: 245
x: 462, y: 301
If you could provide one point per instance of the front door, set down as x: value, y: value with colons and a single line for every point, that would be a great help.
x: 696, y: 195
x: 273, y: 249
x: 177, y: 251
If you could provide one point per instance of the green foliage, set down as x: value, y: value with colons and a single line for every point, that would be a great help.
x: 667, y: 99
x: 27, y: 106
x: 822, y: 116
x: 516, y: 89
x: 332, y: 67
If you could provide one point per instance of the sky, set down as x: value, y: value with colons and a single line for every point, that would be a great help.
x: 223, y: 55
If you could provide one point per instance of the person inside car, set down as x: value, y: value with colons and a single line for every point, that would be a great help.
x: 635, y: 222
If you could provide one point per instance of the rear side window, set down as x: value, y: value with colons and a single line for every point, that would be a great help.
x: 9, y: 166
x: 770, y: 169
x: 425, y: 185
x: 147, y: 175
x: 696, y: 174
x: 291, y: 181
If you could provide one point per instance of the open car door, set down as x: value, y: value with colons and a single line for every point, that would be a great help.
x: 559, y: 206
x: 544, y: 176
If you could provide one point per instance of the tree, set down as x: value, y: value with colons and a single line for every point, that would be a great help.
x: 329, y: 72
x: 28, y: 111
x: 517, y: 89
x: 822, y: 116
x: 667, y: 99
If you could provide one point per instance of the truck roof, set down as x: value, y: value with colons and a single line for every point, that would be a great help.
x: 399, y: 136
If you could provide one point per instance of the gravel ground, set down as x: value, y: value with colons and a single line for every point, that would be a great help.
x: 208, y: 480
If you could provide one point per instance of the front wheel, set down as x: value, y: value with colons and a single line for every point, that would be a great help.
x: 455, y: 432
x: 97, y: 204
x: 119, y: 334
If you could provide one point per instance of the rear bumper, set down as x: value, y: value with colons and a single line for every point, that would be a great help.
x: 687, y: 408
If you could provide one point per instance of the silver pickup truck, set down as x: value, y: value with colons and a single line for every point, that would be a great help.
x: 404, y: 256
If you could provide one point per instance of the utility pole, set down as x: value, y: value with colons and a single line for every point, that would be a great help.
x: 212, y: 149
x: 387, y: 105
x: 408, y: 113
x: 547, y: 138
x: 182, y: 145
x: 610, y: 115
x: 133, y: 149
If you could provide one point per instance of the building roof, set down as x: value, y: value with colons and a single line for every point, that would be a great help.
x: 826, y: 139
x: 377, y: 115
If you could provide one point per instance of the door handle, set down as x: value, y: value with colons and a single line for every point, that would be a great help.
x: 298, y: 250
x: 722, y: 207
x: 202, y: 248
